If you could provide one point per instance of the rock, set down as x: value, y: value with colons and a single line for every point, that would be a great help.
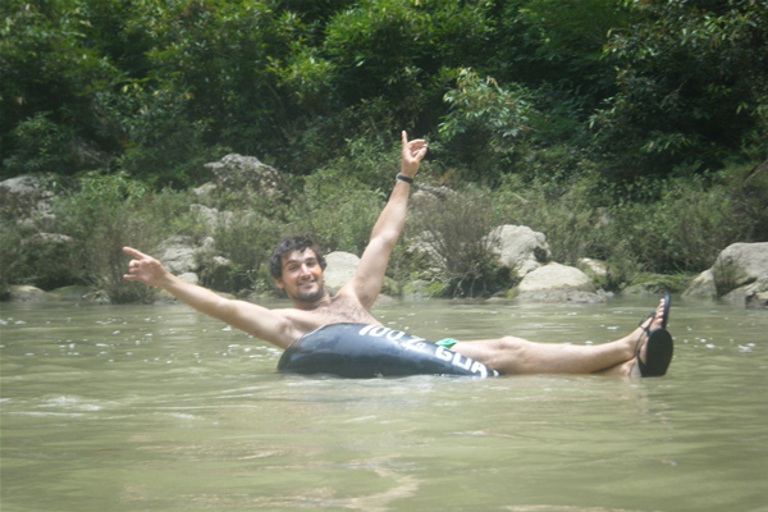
x: 205, y: 189
x: 593, y: 268
x: 520, y: 248
x: 72, y: 292
x: 738, y: 265
x: 24, y: 196
x: 178, y: 254
x: 421, y: 289
x: 26, y: 293
x: 424, y: 245
x: 212, y: 218
x: 190, y: 277
x: 737, y: 296
x: 756, y: 294
x: 341, y: 267
x: 86, y: 156
x: 48, y: 242
x: 703, y: 286
x: 427, y: 195
x: 238, y: 172
x: 555, y: 276
x: 557, y: 283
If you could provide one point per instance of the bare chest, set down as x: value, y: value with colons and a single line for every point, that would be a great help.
x: 341, y: 309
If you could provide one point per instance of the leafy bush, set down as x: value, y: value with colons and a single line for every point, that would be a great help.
x: 40, y: 145
x: 567, y: 211
x: 11, y: 259
x: 683, y: 231
x: 102, y: 217
x: 338, y: 210
x: 484, y: 124
x: 453, y: 232
x: 692, y: 82
x: 247, y: 241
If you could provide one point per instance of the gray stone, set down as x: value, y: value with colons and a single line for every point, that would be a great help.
x: 555, y: 276
x: 212, y: 218
x: 592, y: 267
x: 520, y: 248
x: 178, y: 254
x: 341, y: 268
x: 190, y: 277
x: 27, y: 293
x: 739, y: 264
x: 756, y: 294
x: 25, y: 196
x: 238, y: 172
x: 702, y: 286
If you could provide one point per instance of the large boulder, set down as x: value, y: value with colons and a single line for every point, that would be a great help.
x: 555, y: 276
x: 739, y: 265
x: 24, y: 196
x: 211, y: 218
x: 756, y: 294
x: 702, y: 286
x: 341, y: 267
x: 27, y: 293
x: 238, y: 172
x: 520, y: 248
x: 557, y: 283
x: 178, y: 254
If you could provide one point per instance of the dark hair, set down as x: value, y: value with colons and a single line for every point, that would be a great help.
x: 289, y: 244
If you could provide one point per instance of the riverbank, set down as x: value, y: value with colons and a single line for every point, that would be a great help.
x: 541, y: 241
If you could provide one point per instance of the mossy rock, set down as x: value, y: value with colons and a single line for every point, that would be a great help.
x: 657, y: 284
x: 73, y: 292
x: 421, y: 289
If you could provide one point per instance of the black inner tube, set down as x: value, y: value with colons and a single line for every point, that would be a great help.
x: 367, y: 351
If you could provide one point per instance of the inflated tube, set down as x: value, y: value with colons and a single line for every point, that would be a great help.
x: 367, y: 351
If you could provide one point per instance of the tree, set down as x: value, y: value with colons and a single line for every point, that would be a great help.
x: 692, y: 83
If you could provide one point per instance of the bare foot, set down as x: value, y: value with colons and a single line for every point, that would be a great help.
x: 641, y: 335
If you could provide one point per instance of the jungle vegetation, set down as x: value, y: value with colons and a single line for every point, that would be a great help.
x: 626, y: 130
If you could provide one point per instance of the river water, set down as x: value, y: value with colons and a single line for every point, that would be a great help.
x: 136, y: 408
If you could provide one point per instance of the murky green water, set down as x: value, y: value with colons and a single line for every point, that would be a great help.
x: 160, y: 408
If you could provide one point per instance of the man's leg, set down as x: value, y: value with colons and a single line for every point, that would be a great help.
x: 518, y: 356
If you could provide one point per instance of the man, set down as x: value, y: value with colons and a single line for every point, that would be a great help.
x: 297, y: 268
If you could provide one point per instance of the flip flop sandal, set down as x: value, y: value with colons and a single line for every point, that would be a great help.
x: 659, y: 347
x: 658, y: 353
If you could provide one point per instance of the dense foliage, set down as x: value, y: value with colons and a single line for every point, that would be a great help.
x: 156, y: 87
x: 578, y: 107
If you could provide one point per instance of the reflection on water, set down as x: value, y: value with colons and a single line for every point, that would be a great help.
x: 161, y: 408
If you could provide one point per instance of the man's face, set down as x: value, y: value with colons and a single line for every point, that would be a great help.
x: 302, y: 277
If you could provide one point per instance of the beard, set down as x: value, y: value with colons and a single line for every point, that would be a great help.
x: 312, y: 295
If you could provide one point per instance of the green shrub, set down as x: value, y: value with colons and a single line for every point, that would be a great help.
x: 683, y: 231
x: 247, y: 241
x: 40, y: 145
x: 11, y: 267
x: 338, y: 209
x: 484, y: 125
x: 453, y: 231
x: 567, y: 211
x: 102, y: 217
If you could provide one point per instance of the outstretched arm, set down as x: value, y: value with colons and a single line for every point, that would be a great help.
x: 369, y: 277
x: 257, y: 321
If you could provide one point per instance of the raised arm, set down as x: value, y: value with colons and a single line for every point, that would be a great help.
x: 369, y: 276
x: 256, y: 320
